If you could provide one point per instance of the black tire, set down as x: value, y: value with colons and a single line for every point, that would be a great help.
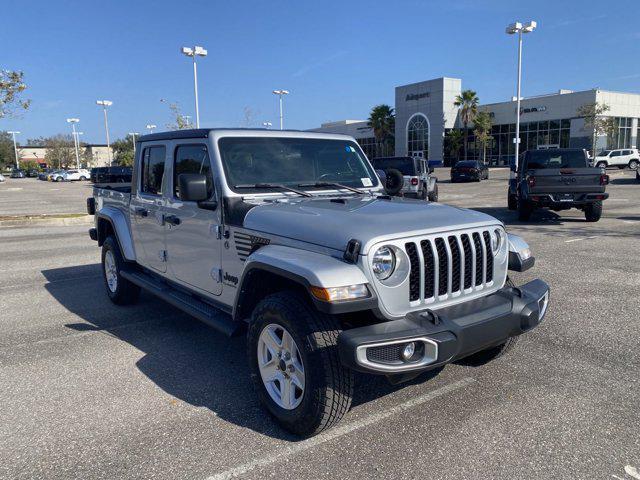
x: 433, y: 196
x: 424, y: 194
x: 512, y: 202
x: 621, y: 167
x: 395, y: 181
x: 524, y: 210
x: 329, y: 390
x: 83, y: 178
x: 601, y: 165
x: 633, y: 164
x: 593, y: 211
x: 484, y: 356
x: 125, y: 292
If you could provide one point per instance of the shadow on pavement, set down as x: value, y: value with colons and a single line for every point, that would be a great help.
x: 185, y: 358
x: 624, y: 181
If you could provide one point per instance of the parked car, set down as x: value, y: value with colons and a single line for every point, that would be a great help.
x: 2, y: 179
x: 417, y: 180
x: 57, y: 176
x: 32, y: 173
x: 18, y: 173
x: 111, y: 175
x: 558, y: 179
x: 469, y: 171
x: 290, y: 237
x: 621, y: 158
x: 74, y: 175
x: 44, y: 174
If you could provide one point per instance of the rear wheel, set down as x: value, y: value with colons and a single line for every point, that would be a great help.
x: 593, y: 211
x: 524, y: 210
x: 601, y: 165
x: 433, y: 196
x: 119, y: 289
x: 83, y: 178
x: 294, y: 363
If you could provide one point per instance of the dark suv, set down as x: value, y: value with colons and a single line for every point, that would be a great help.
x: 469, y: 170
x: 111, y: 175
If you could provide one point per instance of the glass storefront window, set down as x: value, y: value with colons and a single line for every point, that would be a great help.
x: 418, y: 136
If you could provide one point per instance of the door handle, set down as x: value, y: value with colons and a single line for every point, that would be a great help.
x: 141, y: 212
x: 172, y: 220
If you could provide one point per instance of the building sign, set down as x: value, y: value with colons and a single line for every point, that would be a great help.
x: 416, y: 96
x: 532, y: 109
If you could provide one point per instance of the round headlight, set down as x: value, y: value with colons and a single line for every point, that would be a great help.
x: 384, y: 263
x: 496, y: 241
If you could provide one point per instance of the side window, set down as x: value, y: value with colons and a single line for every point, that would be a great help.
x: 192, y: 159
x: 152, y: 170
x: 627, y: 152
x: 615, y: 153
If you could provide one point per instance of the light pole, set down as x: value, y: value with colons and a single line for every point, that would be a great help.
x: 195, y: 52
x: 105, y: 104
x: 133, y: 139
x: 73, y: 122
x: 512, y: 29
x: 15, y: 147
x: 280, y: 94
x: 150, y: 127
x: 267, y: 125
x: 78, y: 142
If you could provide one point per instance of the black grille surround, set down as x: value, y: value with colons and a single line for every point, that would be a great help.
x: 449, y: 265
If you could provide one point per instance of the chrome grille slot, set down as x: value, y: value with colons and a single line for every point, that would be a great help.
x: 468, y: 261
x: 479, y: 257
x: 443, y: 270
x: 455, y: 264
x: 487, y: 244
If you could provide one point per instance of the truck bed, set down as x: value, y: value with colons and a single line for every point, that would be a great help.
x: 116, y: 194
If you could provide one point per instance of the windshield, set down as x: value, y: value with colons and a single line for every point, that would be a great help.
x: 293, y: 161
x: 403, y: 164
x: 540, y: 159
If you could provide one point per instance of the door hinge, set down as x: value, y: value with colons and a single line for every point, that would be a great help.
x: 162, y: 254
x: 216, y: 273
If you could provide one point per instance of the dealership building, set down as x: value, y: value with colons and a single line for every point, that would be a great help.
x: 425, y: 113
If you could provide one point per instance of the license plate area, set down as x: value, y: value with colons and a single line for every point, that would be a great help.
x: 565, y: 197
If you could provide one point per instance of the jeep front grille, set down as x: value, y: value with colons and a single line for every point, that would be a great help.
x: 449, y: 265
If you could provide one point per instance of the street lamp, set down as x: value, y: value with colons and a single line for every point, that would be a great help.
x: 73, y: 122
x: 267, y: 125
x: 105, y: 104
x: 15, y: 148
x: 195, y: 52
x: 280, y: 94
x: 512, y: 29
x: 150, y: 127
x: 133, y: 139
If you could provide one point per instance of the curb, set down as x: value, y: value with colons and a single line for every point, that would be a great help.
x: 46, y: 220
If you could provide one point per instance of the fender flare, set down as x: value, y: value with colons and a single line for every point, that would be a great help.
x: 306, y: 269
x: 120, y: 226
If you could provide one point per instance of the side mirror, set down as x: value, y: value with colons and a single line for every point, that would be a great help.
x: 193, y: 188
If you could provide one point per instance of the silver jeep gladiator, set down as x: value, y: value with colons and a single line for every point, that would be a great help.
x: 290, y: 237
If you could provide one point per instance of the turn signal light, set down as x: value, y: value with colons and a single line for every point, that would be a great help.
x: 337, y: 294
x: 604, y: 179
x: 414, y: 181
x: 531, y: 181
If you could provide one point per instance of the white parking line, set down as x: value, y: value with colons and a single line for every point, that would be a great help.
x: 580, y: 239
x: 632, y: 471
x: 285, y: 452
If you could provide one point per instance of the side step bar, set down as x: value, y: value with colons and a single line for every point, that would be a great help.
x: 216, y: 318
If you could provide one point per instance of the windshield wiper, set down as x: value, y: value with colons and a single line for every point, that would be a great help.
x: 331, y: 184
x: 273, y: 185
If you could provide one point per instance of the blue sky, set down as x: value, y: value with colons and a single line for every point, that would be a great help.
x: 338, y: 58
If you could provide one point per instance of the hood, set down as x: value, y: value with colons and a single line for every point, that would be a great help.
x: 332, y: 223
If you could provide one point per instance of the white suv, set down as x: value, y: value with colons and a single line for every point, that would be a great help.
x: 629, y: 157
x: 80, y: 174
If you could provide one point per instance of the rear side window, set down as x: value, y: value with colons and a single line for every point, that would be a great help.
x: 152, y: 169
x: 192, y: 159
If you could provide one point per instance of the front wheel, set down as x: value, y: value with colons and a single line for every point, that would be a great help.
x: 433, y: 196
x: 83, y: 178
x: 512, y: 202
x: 524, y: 210
x: 593, y: 211
x: 633, y: 164
x: 294, y: 364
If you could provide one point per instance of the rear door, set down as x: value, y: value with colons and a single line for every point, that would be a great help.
x: 147, y: 209
x: 194, y: 248
x: 616, y: 158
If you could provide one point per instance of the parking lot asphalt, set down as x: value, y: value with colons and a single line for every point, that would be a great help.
x: 89, y: 390
x: 30, y: 196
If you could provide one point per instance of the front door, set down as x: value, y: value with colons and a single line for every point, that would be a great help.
x: 193, y: 245
x: 147, y: 210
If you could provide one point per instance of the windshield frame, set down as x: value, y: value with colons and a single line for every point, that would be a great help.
x: 230, y: 186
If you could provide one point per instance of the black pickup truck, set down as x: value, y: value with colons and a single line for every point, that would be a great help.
x: 558, y: 179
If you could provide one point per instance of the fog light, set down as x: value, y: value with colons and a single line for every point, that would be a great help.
x: 408, y: 351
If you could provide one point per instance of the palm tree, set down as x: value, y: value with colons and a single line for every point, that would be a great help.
x: 382, y: 120
x: 468, y: 103
x: 453, y: 142
x: 482, y: 131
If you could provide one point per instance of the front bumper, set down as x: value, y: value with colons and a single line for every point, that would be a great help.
x: 447, y: 334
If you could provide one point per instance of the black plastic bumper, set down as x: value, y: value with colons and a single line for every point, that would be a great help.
x: 557, y: 200
x: 448, y: 334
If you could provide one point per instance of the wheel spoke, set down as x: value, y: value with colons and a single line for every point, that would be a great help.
x: 269, y: 372
x: 287, y: 342
x: 271, y: 340
x: 297, y: 377
x: 287, y: 393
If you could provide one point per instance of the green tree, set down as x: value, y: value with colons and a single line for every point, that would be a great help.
x: 594, y: 120
x: 11, y: 87
x: 61, y: 152
x: 382, y: 120
x: 123, y: 151
x: 180, y: 121
x: 453, y: 143
x: 7, y: 154
x: 468, y: 102
x: 482, y: 130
